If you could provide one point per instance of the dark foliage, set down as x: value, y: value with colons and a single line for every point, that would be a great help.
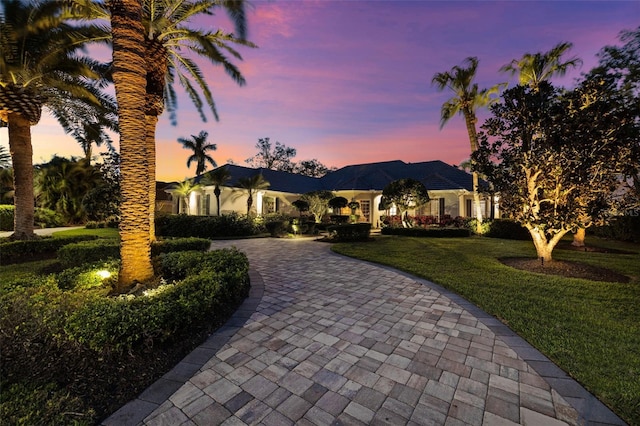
x: 427, y: 232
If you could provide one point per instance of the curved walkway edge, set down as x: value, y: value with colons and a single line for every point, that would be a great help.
x: 327, y: 339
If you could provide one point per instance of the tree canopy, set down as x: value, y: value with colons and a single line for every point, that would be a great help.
x: 556, y: 157
x: 404, y: 194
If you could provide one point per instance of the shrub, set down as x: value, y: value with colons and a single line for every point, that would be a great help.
x: 339, y: 218
x: 6, y: 217
x: 177, y: 265
x: 43, y: 218
x: 427, y: 232
x: 230, y: 225
x: 277, y: 228
x: 507, y: 229
x: 29, y: 250
x: 46, y: 218
x: 87, y: 276
x: 350, y: 232
x: 470, y: 224
x: 88, y: 252
x: 621, y: 228
x: 124, y: 322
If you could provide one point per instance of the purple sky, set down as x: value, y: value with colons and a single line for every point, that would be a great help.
x: 349, y: 82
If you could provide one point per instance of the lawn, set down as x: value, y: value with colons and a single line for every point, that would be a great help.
x: 590, y: 329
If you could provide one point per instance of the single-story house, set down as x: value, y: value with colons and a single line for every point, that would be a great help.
x: 450, y: 190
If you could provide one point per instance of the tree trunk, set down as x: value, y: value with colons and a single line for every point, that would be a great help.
x: 150, y: 139
x: 578, y: 238
x: 217, y: 192
x: 129, y: 76
x: 544, y: 247
x: 470, y: 122
x: 22, y: 158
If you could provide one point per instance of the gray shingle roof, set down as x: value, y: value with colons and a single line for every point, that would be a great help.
x: 434, y: 175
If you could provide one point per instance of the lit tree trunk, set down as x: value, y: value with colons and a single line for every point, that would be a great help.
x: 22, y: 158
x: 249, y: 203
x: 150, y: 139
x: 544, y: 247
x: 578, y: 238
x: 130, y: 82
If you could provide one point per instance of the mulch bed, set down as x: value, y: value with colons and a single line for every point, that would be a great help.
x: 565, y: 269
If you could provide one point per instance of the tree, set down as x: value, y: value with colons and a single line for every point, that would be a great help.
x: 184, y: 190
x: 129, y: 76
x: 171, y: 43
x: 62, y: 184
x: 103, y: 201
x: 199, y: 146
x: 253, y: 184
x: 40, y: 67
x: 404, y: 194
x: 312, y: 168
x: 535, y: 68
x: 5, y: 158
x: 556, y: 157
x: 276, y: 157
x: 338, y: 203
x: 217, y: 177
x: 467, y: 99
x: 301, y: 205
x: 318, y: 202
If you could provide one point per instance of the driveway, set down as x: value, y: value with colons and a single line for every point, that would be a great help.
x: 325, y: 339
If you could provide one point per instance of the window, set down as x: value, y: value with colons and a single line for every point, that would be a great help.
x: 441, y: 207
x: 468, y: 208
x: 365, y: 208
x: 207, y: 205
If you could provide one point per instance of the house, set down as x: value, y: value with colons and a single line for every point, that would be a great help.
x: 450, y: 190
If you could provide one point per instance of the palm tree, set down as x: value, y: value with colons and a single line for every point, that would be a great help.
x: 199, y: 146
x: 129, y: 78
x: 535, y: 68
x: 170, y: 44
x: 253, y: 184
x: 5, y: 158
x: 40, y: 67
x: 184, y: 189
x: 468, y: 98
x: 217, y: 177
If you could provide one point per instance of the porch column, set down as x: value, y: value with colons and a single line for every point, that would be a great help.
x: 462, y: 206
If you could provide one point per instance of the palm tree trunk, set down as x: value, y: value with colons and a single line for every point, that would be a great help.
x: 22, y: 158
x: 151, y: 122
x: 217, y: 193
x: 470, y: 121
x: 130, y: 81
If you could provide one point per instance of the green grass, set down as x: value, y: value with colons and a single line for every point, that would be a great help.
x: 100, y: 232
x: 590, y: 329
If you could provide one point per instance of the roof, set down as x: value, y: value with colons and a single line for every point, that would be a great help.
x: 435, y: 175
x: 375, y: 176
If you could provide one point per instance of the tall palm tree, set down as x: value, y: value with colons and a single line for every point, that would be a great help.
x: 199, y: 145
x: 466, y: 101
x: 170, y: 44
x: 40, y: 67
x: 535, y: 68
x: 129, y: 77
x: 253, y: 184
x: 217, y: 177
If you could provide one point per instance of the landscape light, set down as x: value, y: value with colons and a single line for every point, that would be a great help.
x: 104, y: 274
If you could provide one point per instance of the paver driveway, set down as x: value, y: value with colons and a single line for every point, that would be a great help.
x: 332, y: 340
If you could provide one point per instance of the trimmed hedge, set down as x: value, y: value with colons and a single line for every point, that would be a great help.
x: 119, y: 324
x: 230, y: 225
x: 507, y: 229
x: 29, y: 250
x: 351, y: 232
x: 621, y: 228
x: 427, y: 232
x: 98, y: 250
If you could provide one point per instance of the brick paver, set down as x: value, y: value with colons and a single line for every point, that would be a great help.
x: 325, y: 339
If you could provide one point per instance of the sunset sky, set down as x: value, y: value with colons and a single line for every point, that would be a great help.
x: 349, y: 82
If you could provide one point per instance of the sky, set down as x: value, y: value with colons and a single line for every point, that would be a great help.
x: 349, y: 82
